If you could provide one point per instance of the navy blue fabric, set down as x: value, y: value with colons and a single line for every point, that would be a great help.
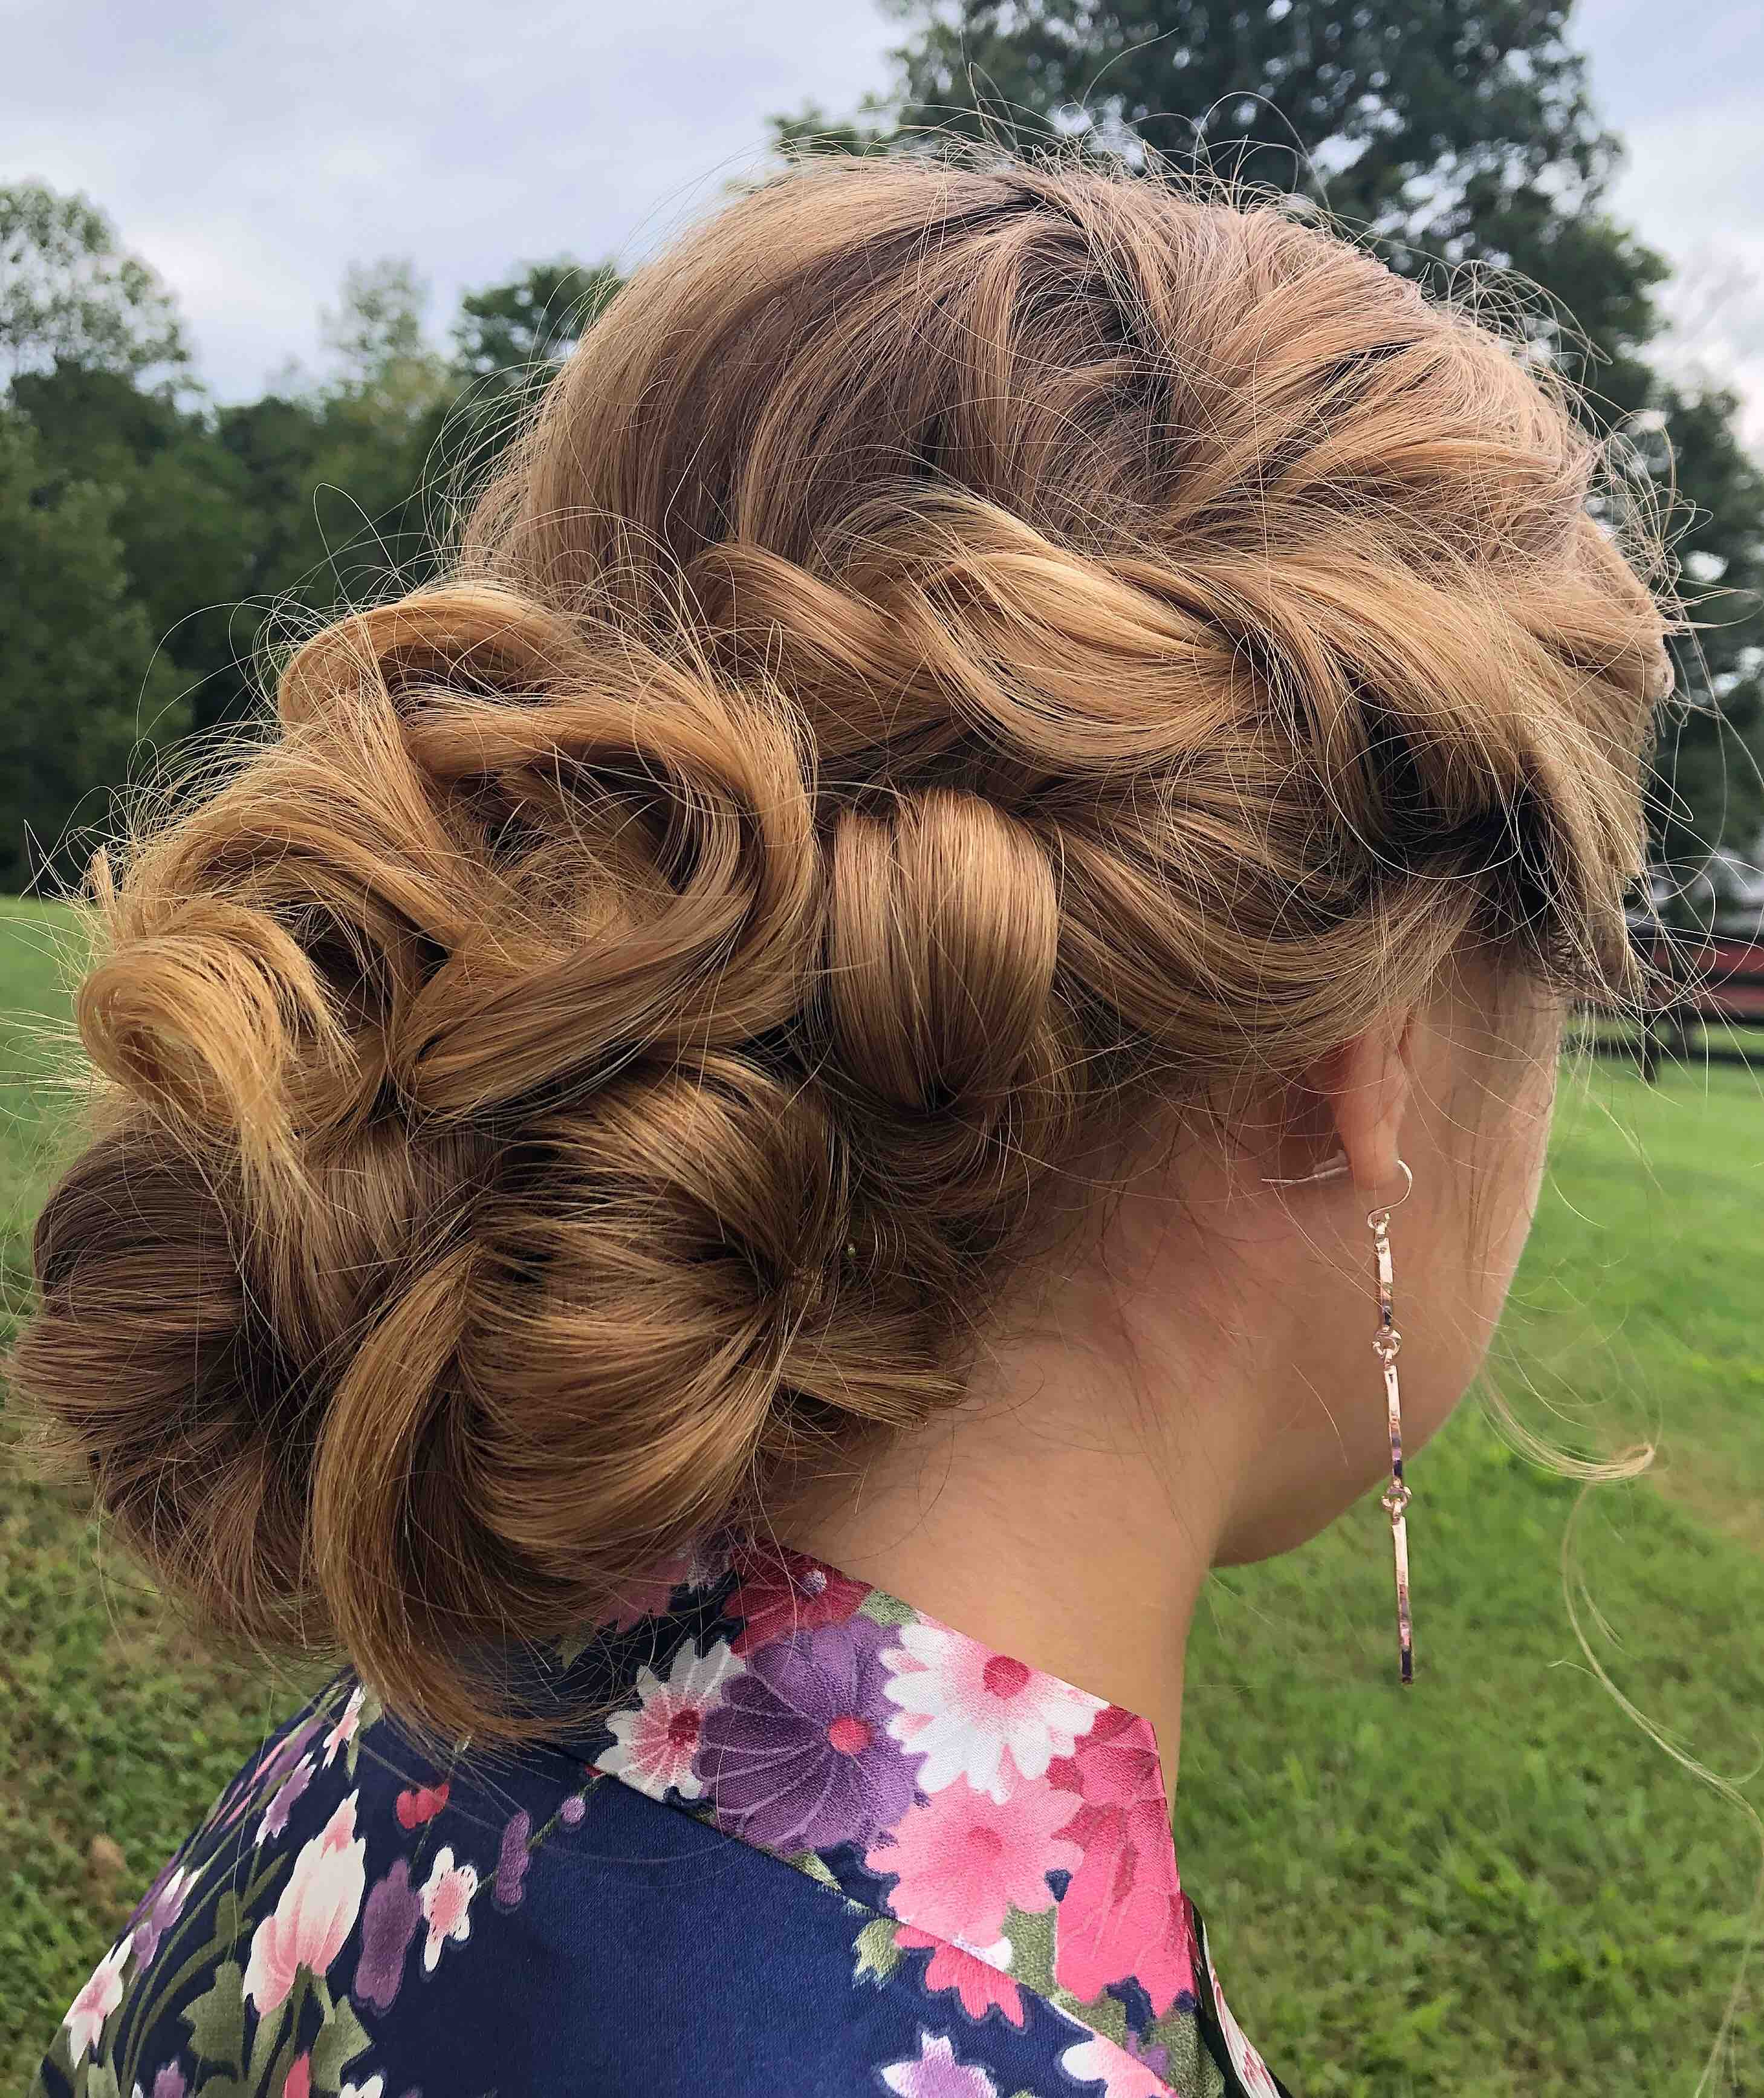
x: 640, y: 1949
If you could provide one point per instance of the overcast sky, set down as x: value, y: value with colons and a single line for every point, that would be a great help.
x: 249, y: 150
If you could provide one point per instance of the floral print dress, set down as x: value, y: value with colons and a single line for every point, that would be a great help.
x: 821, y: 1846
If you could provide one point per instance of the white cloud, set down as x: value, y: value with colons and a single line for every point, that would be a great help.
x: 249, y: 153
x: 1685, y: 102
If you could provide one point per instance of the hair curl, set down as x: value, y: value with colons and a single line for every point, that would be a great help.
x: 962, y: 649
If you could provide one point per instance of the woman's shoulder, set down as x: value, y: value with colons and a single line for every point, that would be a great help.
x: 357, y: 1916
x: 370, y: 1916
x: 272, y: 1953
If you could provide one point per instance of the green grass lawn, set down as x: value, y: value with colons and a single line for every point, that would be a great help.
x: 1493, y: 1883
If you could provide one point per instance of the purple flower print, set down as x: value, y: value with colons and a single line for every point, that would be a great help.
x: 143, y: 1908
x: 388, y: 1924
x: 798, y: 1756
x: 273, y: 1766
x: 282, y: 1757
x: 937, y: 2073
x: 158, y: 1910
x: 512, y: 1862
x: 169, y: 2083
x: 275, y: 1814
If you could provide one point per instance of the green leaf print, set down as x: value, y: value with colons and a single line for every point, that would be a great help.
x: 878, y: 1955
x: 886, y: 1609
x: 814, y: 1867
x: 1031, y: 1947
x: 217, y: 2018
x: 1105, y: 2014
x: 270, y: 2025
x: 341, y: 2039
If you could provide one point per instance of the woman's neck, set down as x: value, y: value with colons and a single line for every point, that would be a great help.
x: 1044, y: 1525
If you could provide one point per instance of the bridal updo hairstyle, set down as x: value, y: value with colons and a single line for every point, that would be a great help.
x: 963, y: 650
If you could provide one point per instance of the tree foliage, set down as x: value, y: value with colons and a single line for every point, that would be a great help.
x: 84, y: 696
x: 69, y: 294
x: 508, y: 333
x: 155, y: 544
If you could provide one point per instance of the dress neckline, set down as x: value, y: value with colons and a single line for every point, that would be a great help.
x: 1012, y: 1823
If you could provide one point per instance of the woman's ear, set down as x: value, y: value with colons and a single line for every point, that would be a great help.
x: 1365, y: 1085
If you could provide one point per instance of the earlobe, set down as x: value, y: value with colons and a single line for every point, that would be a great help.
x: 1368, y: 1085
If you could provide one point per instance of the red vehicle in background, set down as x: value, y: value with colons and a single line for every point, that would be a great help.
x: 1707, y: 985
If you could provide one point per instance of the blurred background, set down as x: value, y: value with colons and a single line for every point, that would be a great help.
x: 275, y: 287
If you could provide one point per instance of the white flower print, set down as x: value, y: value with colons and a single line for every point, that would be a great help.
x: 655, y: 1741
x: 446, y: 1903
x: 95, y: 2002
x: 312, y: 1920
x: 973, y: 1714
x: 343, y: 1732
x: 1099, y: 2060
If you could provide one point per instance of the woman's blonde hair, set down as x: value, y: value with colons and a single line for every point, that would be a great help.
x: 964, y: 649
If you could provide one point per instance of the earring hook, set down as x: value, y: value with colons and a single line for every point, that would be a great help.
x: 1334, y: 1170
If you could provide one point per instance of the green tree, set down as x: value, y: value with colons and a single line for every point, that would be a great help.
x: 509, y: 340
x: 1460, y: 138
x: 83, y: 693
x: 506, y: 334
x: 371, y: 475
x: 185, y: 516
x: 69, y: 294
x: 1710, y: 790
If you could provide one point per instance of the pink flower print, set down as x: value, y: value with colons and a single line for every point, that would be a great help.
x: 655, y: 1742
x: 169, y: 2083
x: 973, y: 1714
x: 1124, y: 1913
x: 275, y: 1814
x: 1252, y: 2072
x: 936, y: 2074
x: 343, y: 1732
x: 446, y: 1900
x: 783, y: 1592
x: 961, y: 1858
x: 976, y: 1973
x: 298, y: 2082
x: 315, y: 1914
x: 1122, y: 2075
x: 95, y: 2002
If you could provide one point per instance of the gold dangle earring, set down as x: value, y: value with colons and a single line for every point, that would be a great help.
x: 1386, y: 1342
